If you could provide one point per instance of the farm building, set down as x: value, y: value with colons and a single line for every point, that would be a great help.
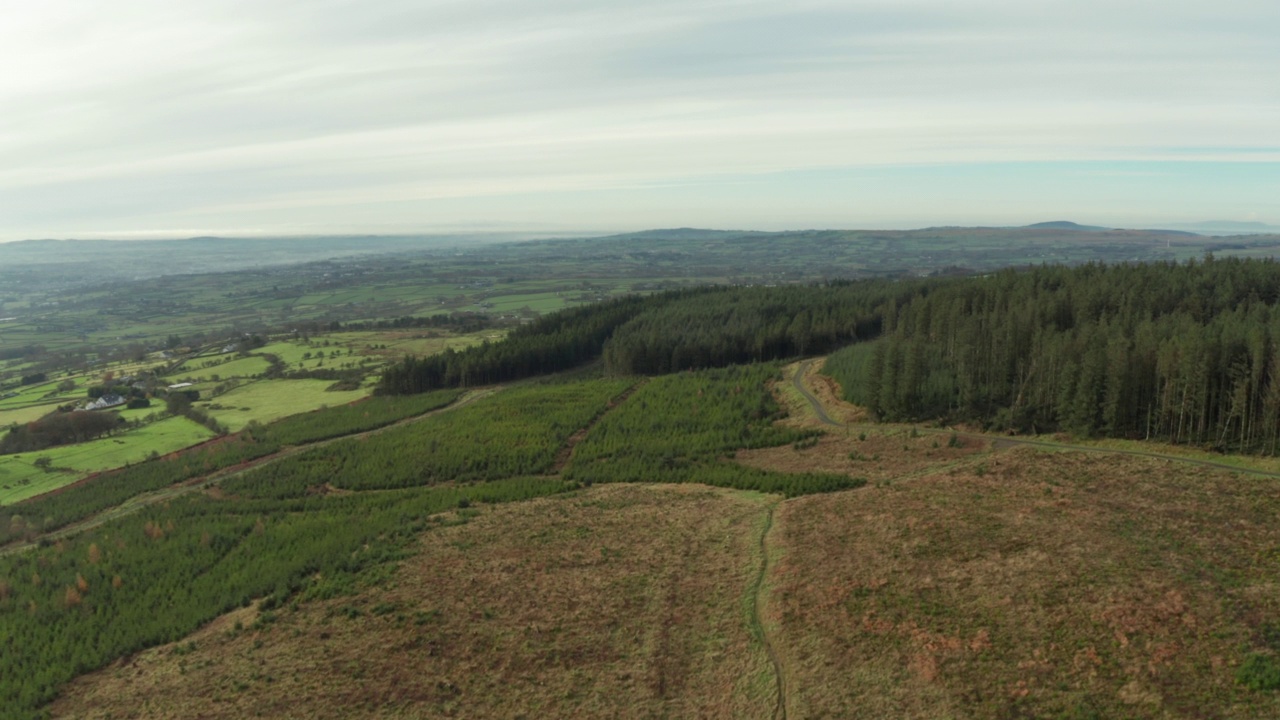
x: 106, y: 401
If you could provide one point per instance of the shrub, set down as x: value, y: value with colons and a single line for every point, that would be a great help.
x: 1260, y: 672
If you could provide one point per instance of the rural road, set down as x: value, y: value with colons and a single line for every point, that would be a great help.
x: 818, y: 409
x: 1002, y: 441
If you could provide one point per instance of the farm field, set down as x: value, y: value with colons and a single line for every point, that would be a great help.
x: 25, y: 414
x: 303, y: 354
x: 20, y: 478
x: 224, y: 366
x: 265, y: 401
x: 260, y: 400
x: 413, y: 342
x: 44, y: 393
x: 621, y: 601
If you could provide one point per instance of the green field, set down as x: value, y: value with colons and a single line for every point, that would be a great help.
x: 224, y: 366
x: 25, y: 414
x: 537, y: 302
x: 416, y: 342
x: 20, y: 479
x: 265, y: 401
x: 200, y: 362
x: 35, y: 394
x: 141, y: 414
x: 300, y: 354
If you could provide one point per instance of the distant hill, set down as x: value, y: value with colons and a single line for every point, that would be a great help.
x: 1230, y: 227
x: 743, y: 256
x: 1067, y: 225
x: 79, y: 262
x: 688, y: 234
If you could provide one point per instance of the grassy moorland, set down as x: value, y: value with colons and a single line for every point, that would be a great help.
x: 1033, y: 585
x: 1016, y: 584
x: 625, y: 601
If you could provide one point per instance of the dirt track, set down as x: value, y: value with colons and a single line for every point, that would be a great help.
x: 1001, y: 441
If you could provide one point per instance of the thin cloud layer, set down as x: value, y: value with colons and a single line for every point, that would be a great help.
x: 397, y: 116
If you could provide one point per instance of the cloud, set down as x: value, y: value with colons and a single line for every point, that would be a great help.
x: 150, y: 114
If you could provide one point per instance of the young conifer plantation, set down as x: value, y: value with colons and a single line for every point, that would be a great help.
x: 79, y: 501
x: 682, y: 428
x: 304, y: 525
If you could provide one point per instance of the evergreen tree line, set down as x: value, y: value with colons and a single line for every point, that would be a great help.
x: 740, y: 325
x: 554, y: 342
x: 662, y: 333
x: 59, y: 428
x: 14, y: 353
x: 1184, y: 353
x: 459, y: 322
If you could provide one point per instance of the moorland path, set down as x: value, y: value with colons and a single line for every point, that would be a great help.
x: 999, y: 442
x: 757, y: 618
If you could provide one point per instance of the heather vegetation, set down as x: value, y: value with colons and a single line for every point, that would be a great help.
x: 154, y: 577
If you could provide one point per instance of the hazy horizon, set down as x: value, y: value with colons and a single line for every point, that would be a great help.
x: 142, y: 119
x: 1220, y: 227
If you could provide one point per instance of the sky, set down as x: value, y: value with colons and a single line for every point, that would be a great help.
x: 150, y: 118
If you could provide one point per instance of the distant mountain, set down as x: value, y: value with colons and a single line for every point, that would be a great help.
x: 1077, y: 227
x: 687, y: 234
x: 1230, y: 227
x: 101, y: 260
x: 1067, y: 225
